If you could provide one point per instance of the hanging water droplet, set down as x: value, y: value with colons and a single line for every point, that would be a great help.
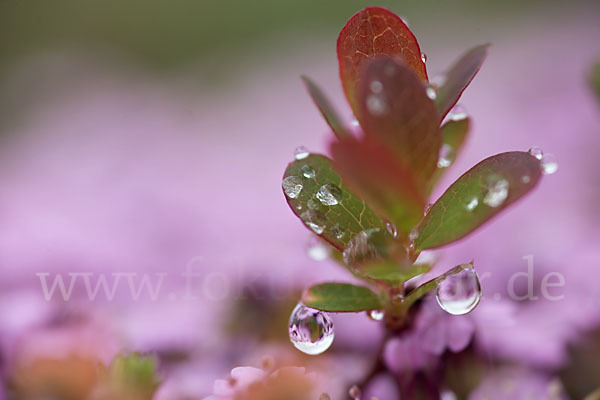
x: 536, y: 152
x: 392, y: 230
x: 355, y: 392
x: 315, y: 220
x: 317, y: 249
x: 457, y: 113
x: 459, y: 293
x: 497, y: 191
x: 472, y: 204
x: 376, y: 87
x: 376, y: 105
x: 375, y: 315
x: 446, y: 156
x: 329, y: 194
x: 301, y: 153
x: 311, y: 331
x: 424, y: 57
x: 307, y: 171
x: 549, y: 164
x: 430, y: 91
x: 292, y: 186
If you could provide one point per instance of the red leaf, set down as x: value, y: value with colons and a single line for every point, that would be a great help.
x: 395, y: 108
x: 369, y: 33
x: 377, y: 176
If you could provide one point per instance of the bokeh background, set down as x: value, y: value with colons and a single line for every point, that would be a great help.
x: 148, y: 138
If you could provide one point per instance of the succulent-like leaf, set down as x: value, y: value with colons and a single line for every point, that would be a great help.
x: 378, y: 176
x: 340, y: 297
x: 372, y: 32
x: 395, y: 108
x: 326, y: 108
x: 454, y: 136
x: 316, y: 194
x: 393, y: 273
x: 458, y: 78
x: 477, y: 196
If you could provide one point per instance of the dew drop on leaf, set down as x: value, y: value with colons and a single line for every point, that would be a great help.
x: 292, y: 186
x: 424, y: 57
x: 414, y: 234
x: 329, y: 194
x: 472, y: 204
x: 376, y: 105
x: 525, y: 179
x: 316, y: 249
x: 459, y: 293
x: 446, y: 156
x: 311, y: 331
x: 427, y: 208
x: 376, y: 87
x: 337, y: 231
x: 497, y: 191
x: 458, y: 113
x: 307, y: 171
x: 430, y: 91
x: 315, y: 220
x: 536, y: 152
x: 365, y: 246
x: 301, y: 153
x: 375, y: 315
x: 549, y: 164
x: 392, y: 230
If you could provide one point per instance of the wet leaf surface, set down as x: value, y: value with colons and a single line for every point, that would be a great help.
x: 454, y: 136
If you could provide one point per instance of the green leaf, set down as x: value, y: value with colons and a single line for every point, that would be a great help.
x: 393, y: 273
x: 131, y: 377
x: 316, y: 194
x: 326, y: 108
x: 477, y: 196
x: 458, y: 78
x: 396, y: 111
x: 454, y: 136
x: 373, y: 32
x: 379, y: 177
x: 340, y: 297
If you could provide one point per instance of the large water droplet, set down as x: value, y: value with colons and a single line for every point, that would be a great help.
x: 315, y: 220
x: 329, y: 194
x: 311, y: 331
x: 301, y: 153
x: 376, y: 105
x: 536, y: 152
x: 317, y: 249
x: 307, y: 171
x: 472, y: 204
x: 292, y: 186
x: 549, y: 164
x: 458, y: 113
x: 375, y: 315
x: 497, y: 191
x: 430, y: 91
x: 424, y: 57
x: 446, y: 156
x: 459, y: 293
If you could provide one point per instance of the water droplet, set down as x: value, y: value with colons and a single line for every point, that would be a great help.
x: 314, y: 220
x: 316, y: 249
x: 354, y: 123
x: 414, y: 234
x: 536, y: 152
x: 292, y: 186
x: 329, y: 194
x: 313, y: 204
x: 376, y: 105
x: 448, y: 395
x: 427, y: 209
x: 355, y: 392
x: 525, y: 179
x: 337, y: 231
x: 446, y: 156
x: 459, y: 293
x: 301, y: 153
x: 424, y: 57
x: 375, y: 315
x: 365, y: 246
x: 311, y: 331
x: 307, y: 171
x: 430, y: 91
x: 392, y: 230
x: 549, y: 164
x: 458, y: 113
x: 472, y: 204
x: 376, y: 87
x: 497, y: 191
